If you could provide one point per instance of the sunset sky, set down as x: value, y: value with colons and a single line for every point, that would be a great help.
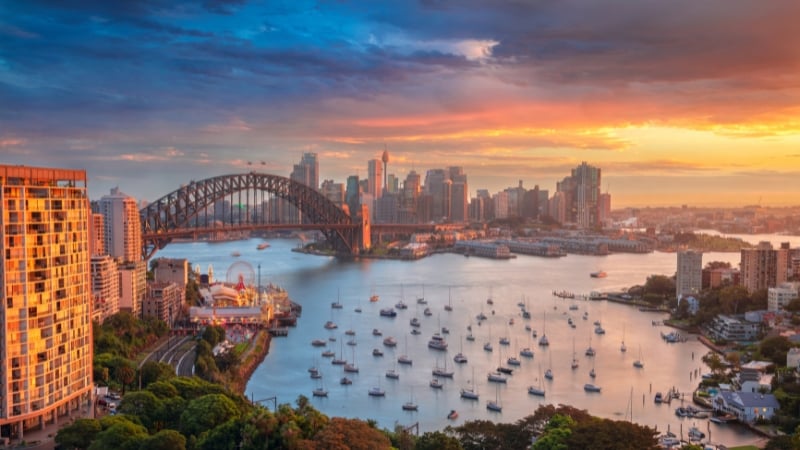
x: 679, y: 102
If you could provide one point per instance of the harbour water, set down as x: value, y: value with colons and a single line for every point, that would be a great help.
x: 466, y: 283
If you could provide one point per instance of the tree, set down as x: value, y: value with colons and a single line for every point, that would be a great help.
x: 733, y: 299
x: 125, y: 375
x: 603, y: 434
x: 714, y: 362
x: 78, y: 435
x: 153, y: 371
x: 711, y: 265
x: 351, y: 434
x: 793, y: 306
x: 123, y: 435
x: 144, y: 405
x: 660, y: 285
x: 207, y: 412
x: 165, y: 440
x: 775, y: 349
x: 437, y: 440
x: 556, y: 434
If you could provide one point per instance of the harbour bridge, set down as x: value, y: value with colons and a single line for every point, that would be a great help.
x: 254, y: 201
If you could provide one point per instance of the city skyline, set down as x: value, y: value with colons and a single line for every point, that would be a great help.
x: 678, y: 103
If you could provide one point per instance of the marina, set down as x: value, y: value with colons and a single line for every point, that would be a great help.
x: 463, y: 285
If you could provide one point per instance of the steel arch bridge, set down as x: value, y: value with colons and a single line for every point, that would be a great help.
x: 184, y: 212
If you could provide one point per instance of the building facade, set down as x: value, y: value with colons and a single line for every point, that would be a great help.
x: 689, y: 278
x: 763, y: 267
x: 105, y: 287
x: 46, y: 343
x: 779, y: 297
x: 123, y: 227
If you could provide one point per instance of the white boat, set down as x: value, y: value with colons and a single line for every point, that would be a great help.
x: 526, y: 352
x: 488, y: 346
x: 470, y: 337
x: 574, y: 359
x: 405, y: 359
x: 442, y: 371
x: 470, y: 393
x: 388, y: 312
x: 549, y: 372
x: 414, y: 322
x: 437, y: 342
x: 262, y: 246
x: 638, y: 363
x: 589, y: 387
x: 460, y: 358
x: 427, y: 312
x: 377, y: 392
x: 449, y: 305
x: 392, y: 374
x: 695, y: 434
x: 389, y: 341
x: 345, y: 381
x: 320, y: 392
x: 330, y: 325
x: 599, y: 330
x: 504, y: 341
x: 513, y: 361
x: 377, y: 352
x: 376, y: 332
x: 537, y: 390
x: 400, y: 305
x: 495, y: 405
x: 350, y: 332
x: 319, y: 342
x: 543, y: 341
x: 351, y: 367
x: 496, y: 377
x: 336, y: 305
x: 340, y: 361
x: 590, y: 350
x: 436, y: 384
x: 410, y: 405
x: 622, y: 346
x: 328, y: 354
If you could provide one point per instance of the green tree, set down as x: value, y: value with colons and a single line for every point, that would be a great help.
x: 733, y: 299
x: 144, y: 405
x: 124, y: 435
x: 153, y: 371
x: 603, y: 434
x: 775, y: 349
x: 437, y: 440
x: 125, y: 375
x: 165, y: 440
x: 793, y: 306
x: 556, y: 434
x: 714, y: 362
x: 207, y: 412
x: 711, y: 265
x: 78, y: 435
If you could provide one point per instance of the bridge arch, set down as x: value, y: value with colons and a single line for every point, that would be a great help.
x: 177, y: 212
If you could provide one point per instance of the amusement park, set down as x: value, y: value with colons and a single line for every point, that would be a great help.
x: 240, y: 301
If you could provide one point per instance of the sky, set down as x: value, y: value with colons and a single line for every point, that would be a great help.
x: 678, y: 102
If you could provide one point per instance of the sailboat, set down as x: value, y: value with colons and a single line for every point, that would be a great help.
x: 421, y: 300
x: 352, y: 367
x: 376, y: 391
x: 392, y: 373
x: 549, y: 372
x: 590, y: 350
x: 460, y: 357
x: 592, y: 373
x: 622, y: 347
x: 320, y: 391
x: 449, y: 305
x: 638, y: 363
x: 488, y: 345
x: 340, y: 361
x: 537, y: 390
x: 410, y: 405
x: 574, y: 359
x: 404, y: 358
x: 495, y: 405
x: 513, y: 360
x: 442, y: 371
x: 337, y: 304
x: 543, y: 340
x: 470, y: 393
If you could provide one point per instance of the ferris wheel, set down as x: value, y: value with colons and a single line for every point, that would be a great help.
x: 241, y: 272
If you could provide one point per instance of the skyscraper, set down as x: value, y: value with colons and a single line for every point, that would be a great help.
x: 375, y: 178
x: 46, y: 357
x: 763, y: 267
x: 123, y: 227
x: 586, y: 180
x: 689, y: 278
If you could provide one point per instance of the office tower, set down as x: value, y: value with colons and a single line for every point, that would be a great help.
x: 763, y: 267
x: 501, y: 205
x: 374, y: 178
x: 459, y: 195
x: 557, y: 206
x: 352, y: 195
x: 604, y: 208
x: 587, y: 192
x: 105, y: 287
x: 307, y: 170
x: 46, y: 343
x: 123, y: 229
x: 689, y: 279
x: 387, y: 208
x: 438, y: 187
x: 385, y: 159
x: 333, y: 191
x: 580, y: 194
x: 223, y: 211
x: 530, y: 203
x: 393, y: 183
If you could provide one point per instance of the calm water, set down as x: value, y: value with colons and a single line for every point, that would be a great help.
x: 316, y: 281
